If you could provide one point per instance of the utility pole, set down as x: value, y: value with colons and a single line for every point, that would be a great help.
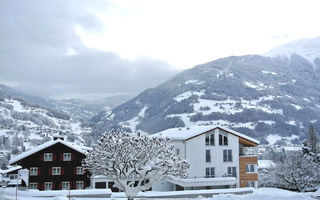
x: 17, y: 190
x: 69, y: 190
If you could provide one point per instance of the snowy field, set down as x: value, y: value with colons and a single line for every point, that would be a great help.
x: 258, y: 194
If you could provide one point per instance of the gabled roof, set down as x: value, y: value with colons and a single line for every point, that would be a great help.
x: 11, y: 169
x: 186, y: 133
x: 44, y: 146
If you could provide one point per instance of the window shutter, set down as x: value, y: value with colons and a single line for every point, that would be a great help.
x: 75, y: 170
x: 53, y: 185
x: 54, y: 156
x: 50, y: 171
x: 41, y: 157
x: 72, y: 156
x: 39, y: 171
x: 60, y: 186
x: 62, y: 170
x: 38, y: 185
x: 61, y: 156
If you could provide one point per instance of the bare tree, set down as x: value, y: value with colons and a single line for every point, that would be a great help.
x: 133, y: 161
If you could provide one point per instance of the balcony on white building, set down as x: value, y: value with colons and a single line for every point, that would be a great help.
x: 191, y: 182
x: 247, y: 151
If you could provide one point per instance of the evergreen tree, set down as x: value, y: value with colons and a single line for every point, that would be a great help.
x: 313, y: 141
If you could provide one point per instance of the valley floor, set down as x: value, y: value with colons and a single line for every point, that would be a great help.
x: 258, y: 194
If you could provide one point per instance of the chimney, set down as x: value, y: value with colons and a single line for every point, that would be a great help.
x: 56, y: 137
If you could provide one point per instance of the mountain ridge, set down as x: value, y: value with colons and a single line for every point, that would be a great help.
x: 271, y: 92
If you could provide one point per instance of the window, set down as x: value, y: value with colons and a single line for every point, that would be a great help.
x: 250, y: 168
x: 209, y: 172
x: 79, y: 184
x: 48, y: 186
x: 33, y: 186
x: 177, y: 151
x: 232, y: 172
x: 13, y: 176
x: 210, y: 140
x: 33, y: 171
x: 66, y: 156
x: 56, y: 170
x: 79, y: 170
x: 48, y: 157
x: 250, y: 184
x: 65, y: 185
x: 223, y: 140
x: 208, y: 156
x: 227, y: 155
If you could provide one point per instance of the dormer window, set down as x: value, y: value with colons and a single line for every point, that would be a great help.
x: 47, y: 157
x: 66, y: 156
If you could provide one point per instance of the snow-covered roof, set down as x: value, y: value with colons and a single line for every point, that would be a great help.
x: 5, y: 179
x: 11, y: 169
x: 204, y: 180
x: 44, y: 146
x: 15, y: 182
x: 186, y: 133
x: 262, y: 164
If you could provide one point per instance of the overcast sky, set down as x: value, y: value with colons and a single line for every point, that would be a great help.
x: 96, y: 48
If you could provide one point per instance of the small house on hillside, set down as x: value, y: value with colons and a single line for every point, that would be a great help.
x: 54, y: 165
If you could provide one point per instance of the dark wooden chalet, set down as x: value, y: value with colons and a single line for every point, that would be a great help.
x: 54, y: 165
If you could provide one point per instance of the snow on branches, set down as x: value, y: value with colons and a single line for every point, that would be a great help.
x: 134, y: 161
x: 299, y: 171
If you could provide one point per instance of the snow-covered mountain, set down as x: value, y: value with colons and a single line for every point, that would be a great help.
x: 77, y: 108
x: 259, y: 96
x: 24, y: 124
x: 86, y: 109
x: 306, y: 48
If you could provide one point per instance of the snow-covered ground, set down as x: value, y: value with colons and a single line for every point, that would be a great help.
x: 258, y: 194
x: 267, y: 194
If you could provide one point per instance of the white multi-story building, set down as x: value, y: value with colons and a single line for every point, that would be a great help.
x: 219, y: 158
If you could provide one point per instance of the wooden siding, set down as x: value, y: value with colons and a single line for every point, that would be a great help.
x: 68, y: 168
x: 243, y: 176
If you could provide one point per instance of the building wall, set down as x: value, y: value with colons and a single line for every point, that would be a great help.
x: 163, y: 186
x: 178, y: 144
x: 196, y: 155
x: 244, y: 176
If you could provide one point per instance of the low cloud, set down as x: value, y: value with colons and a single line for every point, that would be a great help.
x: 42, y: 55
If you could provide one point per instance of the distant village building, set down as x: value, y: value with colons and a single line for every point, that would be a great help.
x: 53, y: 165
